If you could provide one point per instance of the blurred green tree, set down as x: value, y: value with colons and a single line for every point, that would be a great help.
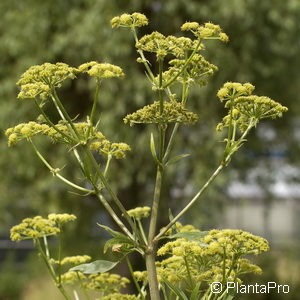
x: 263, y: 50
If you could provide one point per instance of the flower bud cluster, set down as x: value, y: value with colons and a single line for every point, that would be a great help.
x: 75, y: 260
x: 97, y: 140
x: 258, y: 107
x: 24, y: 131
x: 139, y: 212
x: 118, y: 296
x: 164, y: 45
x: 245, y: 107
x: 61, y: 219
x: 33, y: 228
x: 39, y: 80
x: 174, y: 112
x: 72, y: 277
x: 117, y: 150
x: 106, y: 283
x: 206, y: 31
x: 141, y: 276
x: 101, y: 70
x: 126, y: 20
x: 232, y: 90
x: 217, y: 249
x: 198, y: 70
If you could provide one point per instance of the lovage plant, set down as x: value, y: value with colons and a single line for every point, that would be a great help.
x: 181, y: 261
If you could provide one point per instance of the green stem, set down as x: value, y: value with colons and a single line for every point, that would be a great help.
x: 82, y: 287
x: 114, y: 215
x: 55, y: 172
x: 164, y: 292
x: 59, y: 255
x: 142, y: 231
x: 49, y: 267
x: 92, y: 114
x: 150, y: 255
x: 67, y: 137
x: 160, y: 90
x: 189, y: 272
x: 107, y: 164
x: 152, y: 275
x: 184, y: 66
x: 170, y: 143
x: 46, y: 247
x: 93, y: 111
x: 151, y: 251
x: 176, y: 126
x: 190, y: 204
x: 237, y: 144
x: 65, y: 116
x: 74, y: 141
x: 141, y: 53
x: 133, y: 278
x: 204, y: 187
x: 108, y: 188
x: 154, y: 210
x: 92, y: 160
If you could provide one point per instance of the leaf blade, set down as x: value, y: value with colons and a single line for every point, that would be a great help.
x: 97, y: 266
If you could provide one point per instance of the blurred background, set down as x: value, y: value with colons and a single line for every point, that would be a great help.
x: 260, y: 190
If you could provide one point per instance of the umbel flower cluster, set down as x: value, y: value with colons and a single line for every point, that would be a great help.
x: 217, y: 256
x: 139, y: 212
x: 41, y: 80
x: 244, y: 107
x: 60, y: 133
x: 104, y: 283
x: 174, y: 112
x: 37, y: 227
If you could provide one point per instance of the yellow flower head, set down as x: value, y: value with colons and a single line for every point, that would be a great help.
x: 76, y: 260
x: 139, y: 212
x: 33, y: 228
x: 126, y: 20
x: 101, y: 70
x: 39, y: 80
x: 174, y: 112
x: 206, y: 31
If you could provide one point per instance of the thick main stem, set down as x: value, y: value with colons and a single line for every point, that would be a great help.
x: 152, y: 275
x: 151, y: 252
x: 154, y: 211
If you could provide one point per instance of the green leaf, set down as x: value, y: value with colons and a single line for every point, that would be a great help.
x: 175, y: 290
x: 111, y: 231
x: 126, y: 244
x: 171, y: 216
x: 176, y: 158
x: 189, y: 235
x: 122, y: 245
x: 195, y: 292
x: 97, y: 266
x: 153, y: 150
x: 229, y: 297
